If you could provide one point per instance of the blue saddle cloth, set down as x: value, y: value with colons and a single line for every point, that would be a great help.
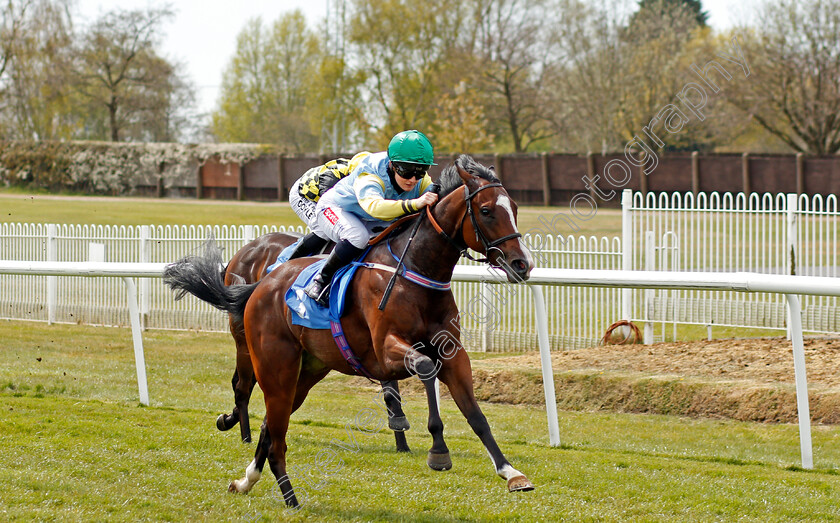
x: 283, y: 257
x: 305, y: 310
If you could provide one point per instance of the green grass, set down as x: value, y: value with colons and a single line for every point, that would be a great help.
x: 76, y: 445
x: 23, y: 207
x: 37, y: 208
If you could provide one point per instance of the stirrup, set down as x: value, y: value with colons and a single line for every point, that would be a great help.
x: 319, y: 291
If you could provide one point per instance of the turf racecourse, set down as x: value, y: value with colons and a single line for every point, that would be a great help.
x: 76, y: 446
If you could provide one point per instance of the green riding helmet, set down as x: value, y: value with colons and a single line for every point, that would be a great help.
x: 411, y: 147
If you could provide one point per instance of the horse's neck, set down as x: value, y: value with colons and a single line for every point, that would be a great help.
x: 429, y: 254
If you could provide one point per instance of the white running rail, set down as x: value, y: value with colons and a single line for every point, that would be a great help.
x: 790, y: 286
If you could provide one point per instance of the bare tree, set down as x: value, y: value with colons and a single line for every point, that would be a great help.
x: 12, y: 20
x: 461, y: 124
x: 793, y: 58
x: 36, y: 100
x: 515, y: 58
x: 622, y: 72
x: 584, y: 80
x: 402, y: 51
x: 120, y: 73
x: 654, y: 62
x: 267, y: 87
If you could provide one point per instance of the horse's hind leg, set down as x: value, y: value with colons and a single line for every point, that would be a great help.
x: 396, y: 417
x: 254, y: 469
x: 456, y: 373
x: 278, y: 405
x: 310, y: 374
x: 279, y: 395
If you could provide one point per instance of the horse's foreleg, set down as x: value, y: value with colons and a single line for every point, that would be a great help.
x: 242, y: 390
x: 246, y: 382
x: 457, y: 375
x: 242, y: 397
x: 438, y: 458
x: 396, y: 417
x: 243, y: 383
x: 426, y: 369
x: 227, y: 421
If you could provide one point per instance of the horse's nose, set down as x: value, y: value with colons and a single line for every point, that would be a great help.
x: 522, y: 268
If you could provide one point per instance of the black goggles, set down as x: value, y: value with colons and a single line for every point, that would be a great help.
x: 411, y: 170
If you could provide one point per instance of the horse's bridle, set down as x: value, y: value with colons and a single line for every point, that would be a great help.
x: 479, y: 234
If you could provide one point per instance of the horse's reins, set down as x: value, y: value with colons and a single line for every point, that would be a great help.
x: 479, y: 234
x: 400, y: 262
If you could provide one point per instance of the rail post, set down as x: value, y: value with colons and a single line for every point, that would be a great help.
x: 52, y: 281
x: 145, y: 289
x: 626, y: 253
x: 792, y: 242
x: 137, y: 338
x: 545, y: 363
x: 802, y: 406
x: 649, y: 294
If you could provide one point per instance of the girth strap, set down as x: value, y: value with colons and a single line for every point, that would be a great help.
x: 346, y: 351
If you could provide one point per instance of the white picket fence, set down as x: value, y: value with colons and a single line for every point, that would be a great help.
x: 764, y: 233
x: 772, y: 234
x: 491, y: 321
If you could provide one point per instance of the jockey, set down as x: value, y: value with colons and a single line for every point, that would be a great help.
x: 383, y: 187
x: 306, y: 192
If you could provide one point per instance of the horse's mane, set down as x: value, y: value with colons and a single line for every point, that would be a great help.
x: 449, y: 179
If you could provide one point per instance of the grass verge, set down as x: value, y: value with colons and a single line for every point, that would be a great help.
x: 77, y: 446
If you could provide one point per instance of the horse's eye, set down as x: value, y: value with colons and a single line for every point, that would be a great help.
x: 485, y: 211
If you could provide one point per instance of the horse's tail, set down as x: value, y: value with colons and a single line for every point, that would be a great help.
x: 201, y: 276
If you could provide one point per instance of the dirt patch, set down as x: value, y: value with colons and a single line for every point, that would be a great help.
x: 748, y: 379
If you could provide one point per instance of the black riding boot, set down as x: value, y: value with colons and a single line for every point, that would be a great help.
x: 309, y: 245
x: 319, y: 288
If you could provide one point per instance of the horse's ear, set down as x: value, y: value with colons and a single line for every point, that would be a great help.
x: 470, y: 180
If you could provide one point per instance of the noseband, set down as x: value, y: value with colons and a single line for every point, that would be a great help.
x: 479, y: 234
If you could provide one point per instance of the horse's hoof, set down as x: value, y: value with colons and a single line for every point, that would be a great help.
x: 519, y: 484
x: 398, y: 424
x: 221, y: 423
x: 439, y: 461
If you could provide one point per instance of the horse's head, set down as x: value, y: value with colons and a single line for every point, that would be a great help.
x: 488, y: 223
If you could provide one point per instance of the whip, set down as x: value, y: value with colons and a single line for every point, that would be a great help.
x: 435, y: 188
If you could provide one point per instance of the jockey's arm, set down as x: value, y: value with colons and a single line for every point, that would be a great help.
x: 370, y: 192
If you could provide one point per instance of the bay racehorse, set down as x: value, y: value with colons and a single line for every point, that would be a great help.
x: 249, y: 265
x: 418, y: 332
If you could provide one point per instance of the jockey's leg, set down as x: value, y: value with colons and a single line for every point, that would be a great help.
x: 319, y: 288
x: 303, y: 207
x: 350, y: 236
x: 309, y: 245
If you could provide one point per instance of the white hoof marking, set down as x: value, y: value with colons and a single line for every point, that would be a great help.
x: 252, y: 475
x: 508, y: 472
